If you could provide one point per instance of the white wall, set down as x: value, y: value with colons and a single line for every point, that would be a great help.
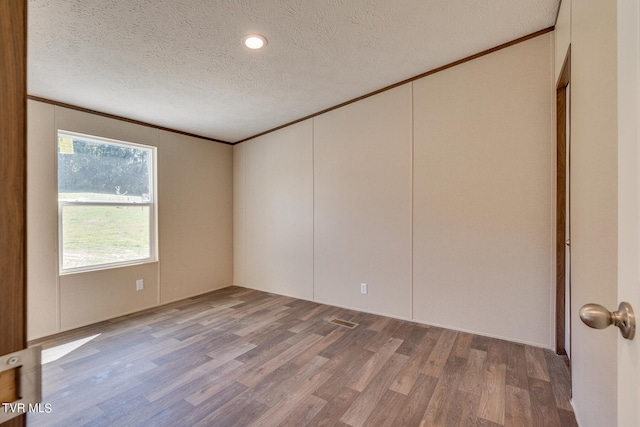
x: 362, y: 204
x: 195, y: 202
x: 90, y: 297
x: 194, y: 225
x: 435, y: 193
x: 239, y: 213
x: 43, y: 307
x: 562, y: 36
x: 279, y: 212
x: 483, y: 182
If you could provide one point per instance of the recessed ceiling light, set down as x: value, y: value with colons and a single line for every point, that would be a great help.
x: 254, y: 41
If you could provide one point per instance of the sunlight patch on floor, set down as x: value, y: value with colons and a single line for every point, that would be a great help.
x: 55, y: 353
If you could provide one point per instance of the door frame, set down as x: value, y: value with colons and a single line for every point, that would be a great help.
x: 13, y: 116
x: 561, y: 203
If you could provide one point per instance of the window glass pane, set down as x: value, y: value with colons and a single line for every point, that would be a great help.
x: 94, y: 235
x: 96, y: 170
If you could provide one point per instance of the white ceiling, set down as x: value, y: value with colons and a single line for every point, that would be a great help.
x: 180, y: 63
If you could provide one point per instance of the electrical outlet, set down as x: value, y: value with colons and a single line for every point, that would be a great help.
x: 363, y: 288
x: 139, y: 284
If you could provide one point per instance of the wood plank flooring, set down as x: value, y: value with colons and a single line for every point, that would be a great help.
x: 239, y: 357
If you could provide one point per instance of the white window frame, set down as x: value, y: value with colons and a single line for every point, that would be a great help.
x: 151, y: 203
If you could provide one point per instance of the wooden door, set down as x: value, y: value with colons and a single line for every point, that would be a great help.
x: 13, y: 22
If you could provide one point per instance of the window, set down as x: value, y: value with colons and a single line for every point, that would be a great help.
x: 106, y: 206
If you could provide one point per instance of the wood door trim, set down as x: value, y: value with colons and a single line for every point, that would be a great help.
x: 561, y: 176
x: 561, y: 191
x: 13, y: 174
x: 13, y: 114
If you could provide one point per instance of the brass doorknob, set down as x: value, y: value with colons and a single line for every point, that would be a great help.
x: 598, y: 317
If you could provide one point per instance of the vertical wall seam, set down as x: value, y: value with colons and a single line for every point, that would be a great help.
x: 55, y: 156
x: 554, y: 210
x: 553, y: 159
x: 245, y: 154
x: 412, y: 196
x: 313, y: 209
x: 157, y: 219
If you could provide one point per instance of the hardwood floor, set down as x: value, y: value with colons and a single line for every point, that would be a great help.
x: 239, y: 357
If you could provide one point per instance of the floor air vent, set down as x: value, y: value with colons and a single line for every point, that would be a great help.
x: 344, y: 323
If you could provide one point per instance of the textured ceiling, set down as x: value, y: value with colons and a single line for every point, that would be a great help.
x: 180, y: 64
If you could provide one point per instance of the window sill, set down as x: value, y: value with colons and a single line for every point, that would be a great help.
x: 92, y: 269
